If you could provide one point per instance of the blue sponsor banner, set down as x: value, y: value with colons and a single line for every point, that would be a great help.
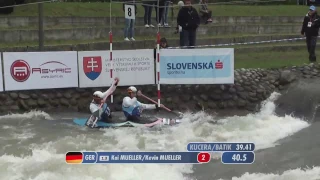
x: 200, y: 66
x: 220, y: 146
x: 237, y: 157
x: 146, y: 157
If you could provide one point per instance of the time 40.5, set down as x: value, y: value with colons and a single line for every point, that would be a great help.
x: 239, y: 157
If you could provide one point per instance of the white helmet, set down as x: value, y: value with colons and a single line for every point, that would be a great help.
x: 132, y: 89
x: 98, y: 94
x: 180, y: 3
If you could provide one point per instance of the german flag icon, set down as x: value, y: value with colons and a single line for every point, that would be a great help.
x: 74, y: 157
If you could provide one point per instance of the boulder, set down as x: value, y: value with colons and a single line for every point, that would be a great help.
x: 23, y: 96
x: 42, y: 103
x: 14, y: 108
x: 4, y: 97
x: 54, y: 102
x: 286, y: 77
x: 34, y: 96
x: 241, y: 103
x: 9, y: 102
x: 67, y: 95
x: 59, y: 95
x: 73, y: 102
x: 14, y: 96
x: 32, y: 103
x: 23, y: 105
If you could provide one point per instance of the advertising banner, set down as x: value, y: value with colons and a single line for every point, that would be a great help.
x: 40, y: 70
x: 200, y: 66
x: 133, y: 67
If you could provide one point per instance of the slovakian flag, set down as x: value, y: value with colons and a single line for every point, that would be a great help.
x: 74, y: 157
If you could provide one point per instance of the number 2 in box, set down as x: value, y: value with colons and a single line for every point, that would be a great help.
x: 203, y: 157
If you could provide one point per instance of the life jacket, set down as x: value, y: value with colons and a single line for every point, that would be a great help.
x: 132, y: 110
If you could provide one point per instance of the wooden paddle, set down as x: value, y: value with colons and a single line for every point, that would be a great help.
x: 155, y: 102
x: 163, y: 105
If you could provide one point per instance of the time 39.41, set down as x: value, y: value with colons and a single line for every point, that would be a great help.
x: 245, y: 147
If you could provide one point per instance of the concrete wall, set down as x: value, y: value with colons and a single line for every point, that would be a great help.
x: 7, y: 22
x: 92, y: 33
x: 250, y: 88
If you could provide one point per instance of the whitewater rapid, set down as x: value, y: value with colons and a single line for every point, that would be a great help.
x: 33, y: 145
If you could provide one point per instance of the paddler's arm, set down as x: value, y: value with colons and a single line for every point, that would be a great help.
x: 111, y: 89
x: 147, y: 106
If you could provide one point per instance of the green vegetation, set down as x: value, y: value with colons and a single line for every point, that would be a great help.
x: 100, y: 9
x: 146, y: 38
x: 171, y: 38
x: 271, y: 59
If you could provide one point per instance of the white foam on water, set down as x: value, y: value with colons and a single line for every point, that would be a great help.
x: 31, y: 115
x: 24, y: 134
x: 47, y: 161
x: 295, y: 174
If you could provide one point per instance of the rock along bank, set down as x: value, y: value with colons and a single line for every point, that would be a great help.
x: 250, y: 88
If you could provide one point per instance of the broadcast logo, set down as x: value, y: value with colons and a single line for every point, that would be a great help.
x: 20, y: 70
x: 104, y: 158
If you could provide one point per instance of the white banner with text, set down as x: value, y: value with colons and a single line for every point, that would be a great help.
x: 40, y: 70
x: 132, y: 67
x: 197, y: 66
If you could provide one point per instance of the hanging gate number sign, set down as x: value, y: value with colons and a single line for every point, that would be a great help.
x: 129, y: 11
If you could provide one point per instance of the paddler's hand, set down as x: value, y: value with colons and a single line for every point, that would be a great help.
x: 139, y: 93
x: 116, y: 81
x: 157, y: 108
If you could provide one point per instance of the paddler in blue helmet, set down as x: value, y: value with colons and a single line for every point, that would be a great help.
x: 98, y: 106
x: 132, y: 108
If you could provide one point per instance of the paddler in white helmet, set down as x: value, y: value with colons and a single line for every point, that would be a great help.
x: 132, y: 108
x: 98, y: 106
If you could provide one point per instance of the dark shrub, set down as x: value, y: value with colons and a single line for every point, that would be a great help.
x: 7, y: 10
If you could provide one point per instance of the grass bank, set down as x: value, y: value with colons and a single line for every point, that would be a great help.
x: 100, y: 9
x: 271, y: 59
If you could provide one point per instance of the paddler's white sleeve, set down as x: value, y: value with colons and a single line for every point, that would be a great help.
x: 147, y: 106
x: 128, y: 102
x: 93, y: 107
x: 110, y: 90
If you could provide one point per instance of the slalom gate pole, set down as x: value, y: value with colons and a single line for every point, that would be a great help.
x: 158, y: 67
x: 110, y: 39
x: 111, y: 62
